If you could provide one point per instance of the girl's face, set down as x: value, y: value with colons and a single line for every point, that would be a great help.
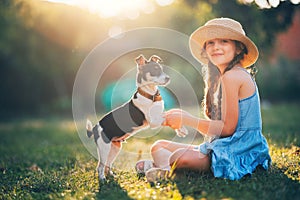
x: 220, y: 52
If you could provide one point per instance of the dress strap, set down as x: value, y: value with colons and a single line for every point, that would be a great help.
x: 245, y: 70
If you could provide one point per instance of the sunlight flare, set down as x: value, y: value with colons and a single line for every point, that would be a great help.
x: 129, y: 9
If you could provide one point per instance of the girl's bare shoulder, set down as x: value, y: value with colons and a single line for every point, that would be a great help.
x: 236, y: 74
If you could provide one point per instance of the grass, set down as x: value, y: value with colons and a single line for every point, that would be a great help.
x: 45, y: 159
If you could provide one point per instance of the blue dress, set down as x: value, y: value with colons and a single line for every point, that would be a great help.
x: 235, y: 156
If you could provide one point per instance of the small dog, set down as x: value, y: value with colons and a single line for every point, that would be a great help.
x: 144, y: 109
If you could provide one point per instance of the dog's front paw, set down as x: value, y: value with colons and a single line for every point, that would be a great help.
x: 182, y: 132
x: 89, y: 128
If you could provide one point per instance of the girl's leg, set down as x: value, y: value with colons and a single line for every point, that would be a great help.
x: 190, y: 159
x: 166, y: 153
x: 162, y: 150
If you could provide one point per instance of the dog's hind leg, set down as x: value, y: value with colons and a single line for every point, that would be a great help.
x: 114, y: 152
x: 103, y: 149
x: 103, y: 152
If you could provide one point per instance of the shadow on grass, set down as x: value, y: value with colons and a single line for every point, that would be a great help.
x: 271, y: 184
x: 111, y: 190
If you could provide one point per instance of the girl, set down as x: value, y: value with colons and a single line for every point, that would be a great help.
x: 231, y: 105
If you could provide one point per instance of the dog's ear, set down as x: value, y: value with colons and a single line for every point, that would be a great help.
x: 156, y: 59
x: 140, y: 60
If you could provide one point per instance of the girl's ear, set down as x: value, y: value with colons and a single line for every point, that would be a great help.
x: 240, y: 47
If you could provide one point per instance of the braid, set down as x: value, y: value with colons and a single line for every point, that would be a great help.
x: 240, y: 46
x: 211, y: 78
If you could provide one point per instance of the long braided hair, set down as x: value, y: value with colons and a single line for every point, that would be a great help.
x: 213, y: 87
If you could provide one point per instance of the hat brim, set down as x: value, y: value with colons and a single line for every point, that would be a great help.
x: 209, y: 32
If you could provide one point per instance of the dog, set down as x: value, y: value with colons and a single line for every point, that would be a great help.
x: 143, y: 110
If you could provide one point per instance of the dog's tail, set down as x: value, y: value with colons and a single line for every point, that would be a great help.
x: 89, y: 128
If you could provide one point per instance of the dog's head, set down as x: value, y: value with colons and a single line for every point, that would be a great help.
x: 151, y: 71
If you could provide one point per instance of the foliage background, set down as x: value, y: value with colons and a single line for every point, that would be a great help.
x: 42, y: 45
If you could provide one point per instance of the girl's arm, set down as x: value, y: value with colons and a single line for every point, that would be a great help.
x: 231, y: 84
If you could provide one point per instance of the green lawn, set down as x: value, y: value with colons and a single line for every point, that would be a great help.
x: 45, y: 159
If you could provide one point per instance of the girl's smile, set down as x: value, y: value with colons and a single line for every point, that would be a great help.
x: 220, y: 52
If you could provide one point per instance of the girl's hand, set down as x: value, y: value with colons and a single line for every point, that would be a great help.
x: 175, y: 118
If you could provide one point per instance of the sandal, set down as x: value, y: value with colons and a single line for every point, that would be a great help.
x: 143, y: 165
x: 156, y: 174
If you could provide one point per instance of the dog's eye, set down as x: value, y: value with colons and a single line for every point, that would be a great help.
x: 156, y: 71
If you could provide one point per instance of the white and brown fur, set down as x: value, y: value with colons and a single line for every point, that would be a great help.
x: 144, y: 109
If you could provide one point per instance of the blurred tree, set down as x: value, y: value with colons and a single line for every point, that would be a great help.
x: 280, y: 81
x: 42, y: 45
x: 35, y: 73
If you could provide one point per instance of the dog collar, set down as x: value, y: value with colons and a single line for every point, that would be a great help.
x: 155, y: 97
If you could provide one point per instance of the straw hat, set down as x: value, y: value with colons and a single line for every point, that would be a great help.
x: 222, y: 28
